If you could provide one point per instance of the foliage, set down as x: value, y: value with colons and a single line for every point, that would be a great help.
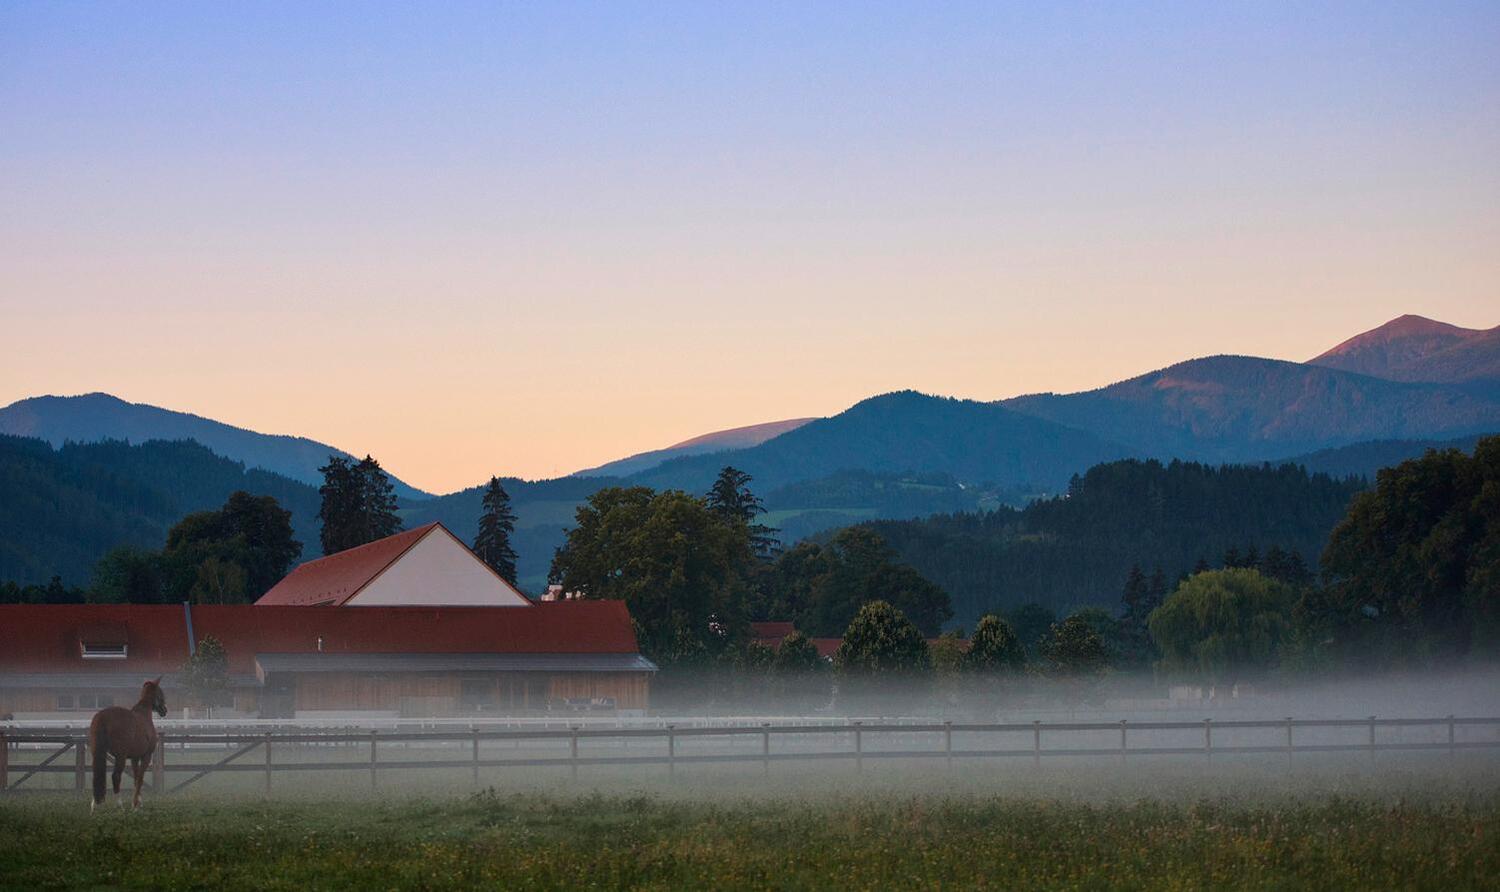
x: 1111, y: 631
x: 1129, y: 637
x: 821, y: 587
x: 232, y: 555
x: 797, y: 654
x: 358, y: 504
x: 994, y: 648
x: 1075, y: 550
x: 676, y: 564
x: 1223, y: 625
x: 1414, y: 567
x: 206, y: 674
x: 881, y: 641
x: 219, y: 581
x: 730, y: 498
x: 1031, y: 622
x: 947, y: 653
x: 1073, y: 649
x: 497, y: 523
x: 54, y: 592
x: 129, y: 575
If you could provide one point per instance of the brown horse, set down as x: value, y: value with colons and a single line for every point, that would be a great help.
x: 126, y: 734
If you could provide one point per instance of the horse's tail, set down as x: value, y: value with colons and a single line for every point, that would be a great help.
x: 98, y: 740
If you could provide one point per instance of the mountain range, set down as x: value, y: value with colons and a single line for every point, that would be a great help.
x: 718, y: 441
x: 1375, y: 399
x: 92, y: 417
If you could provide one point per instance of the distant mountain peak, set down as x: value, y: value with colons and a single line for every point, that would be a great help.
x: 1400, y: 328
x: 1416, y: 348
x: 716, y: 441
x: 740, y: 437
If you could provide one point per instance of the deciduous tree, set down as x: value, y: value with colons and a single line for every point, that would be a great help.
x: 1223, y: 625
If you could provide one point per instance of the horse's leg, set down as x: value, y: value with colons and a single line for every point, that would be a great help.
x: 119, y: 771
x: 138, y: 767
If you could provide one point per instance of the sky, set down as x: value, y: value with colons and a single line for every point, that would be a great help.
x: 525, y: 239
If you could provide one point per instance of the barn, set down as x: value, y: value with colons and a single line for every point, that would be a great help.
x: 413, y: 625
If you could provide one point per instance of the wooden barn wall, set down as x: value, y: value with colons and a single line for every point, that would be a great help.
x: 409, y: 694
x: 432, y: 694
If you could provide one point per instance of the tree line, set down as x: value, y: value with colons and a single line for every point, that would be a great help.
x: 1073, y: 550
x: 235, y: 553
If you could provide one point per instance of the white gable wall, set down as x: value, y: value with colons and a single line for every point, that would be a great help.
x: 438, y: 571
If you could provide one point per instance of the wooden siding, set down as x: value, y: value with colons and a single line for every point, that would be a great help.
x: 409, y: 694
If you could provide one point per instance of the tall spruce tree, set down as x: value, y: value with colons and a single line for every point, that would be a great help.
x: 339, y: 511
x: 378, y: 517
x: 730, y: 498
x: 496, y: 524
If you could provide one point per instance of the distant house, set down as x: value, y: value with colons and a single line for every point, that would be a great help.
x: 411, y: 625
x: 771, y: 635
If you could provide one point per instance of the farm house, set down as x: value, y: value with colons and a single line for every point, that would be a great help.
x: 409, y: 626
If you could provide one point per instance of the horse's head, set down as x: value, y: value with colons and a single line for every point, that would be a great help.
x: 151, y: 693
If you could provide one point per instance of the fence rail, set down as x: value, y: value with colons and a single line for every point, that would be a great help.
x: 471, y: 743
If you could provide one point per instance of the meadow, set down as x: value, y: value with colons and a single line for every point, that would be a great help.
x: 1403, y: 824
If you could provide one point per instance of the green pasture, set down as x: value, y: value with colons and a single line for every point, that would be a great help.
x: 1240, y: 824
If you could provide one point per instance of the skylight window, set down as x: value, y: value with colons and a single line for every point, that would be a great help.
x: 99, y: 651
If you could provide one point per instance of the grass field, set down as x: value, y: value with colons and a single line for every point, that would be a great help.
x: 1072, y: 829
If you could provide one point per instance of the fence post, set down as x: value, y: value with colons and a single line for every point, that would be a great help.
x: 1451, y: 746
x: 475, y: 742
x: 859, y: 748
x: 159, y: 766
x: 77, y: 764
x: 573, y: 749
x: 765, y: 746
x: 1122, y: 741
x: 1289, y: 741
x: 1036, y: 742
x: 1208, y: 739
x: 267, y: 745
x: 4, y: 762
x: 374, y: 734
x: 948, y: 742
x: 671, y: 750
x: 1372, y: 738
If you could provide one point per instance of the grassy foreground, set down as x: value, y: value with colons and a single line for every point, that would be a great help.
x: 611, y: 842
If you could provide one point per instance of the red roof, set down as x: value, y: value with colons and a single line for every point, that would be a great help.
x: 771, y: 633
x: 827, y: 647
x: 331, y: 581
x: 45, y: 637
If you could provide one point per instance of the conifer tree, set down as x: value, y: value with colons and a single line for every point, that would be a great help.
x: 359, y: 504
x: 378, y: 517
x: 496, y: 524
x: 730, y: 498
x: 341, y: 499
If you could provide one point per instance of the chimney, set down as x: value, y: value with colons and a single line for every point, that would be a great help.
x: 187, y: 614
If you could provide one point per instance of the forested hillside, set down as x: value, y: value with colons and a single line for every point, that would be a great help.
x: 98, y: 417
x: 906, y: 433
x: 62, y: 509
x: 1076, y: 549
x: 1243, y: 408
x: 1364, y: 459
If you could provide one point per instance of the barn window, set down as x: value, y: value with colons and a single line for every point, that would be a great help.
x: 64, y: 701
x: 97, y: 650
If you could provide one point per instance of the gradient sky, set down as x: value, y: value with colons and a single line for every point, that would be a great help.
x: 525, y: 239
